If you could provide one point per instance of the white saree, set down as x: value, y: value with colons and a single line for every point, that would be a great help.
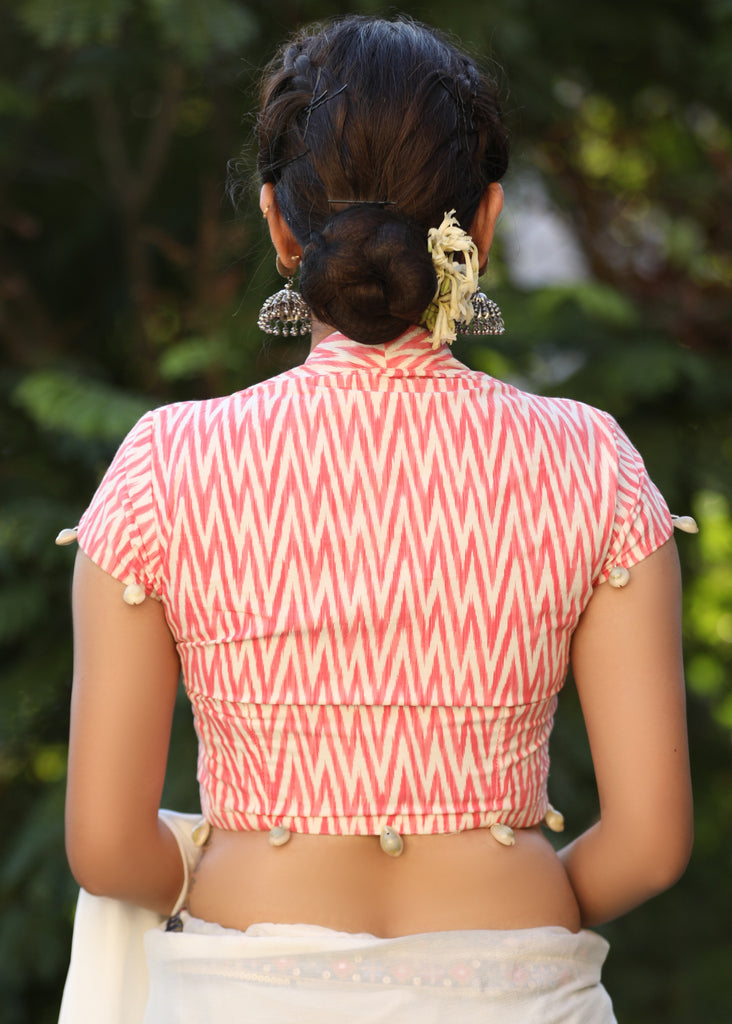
x: 127, y: 969
x: 305, y: 974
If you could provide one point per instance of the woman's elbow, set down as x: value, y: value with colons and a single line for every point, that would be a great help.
x: 672, y: 860
x: 94, y: 860
x: 662, y: 857
x: 85, y: 870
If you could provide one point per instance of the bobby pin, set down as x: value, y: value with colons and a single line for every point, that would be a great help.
x: 361, y: 202
x: 317, y: 101
x: 278, y: 165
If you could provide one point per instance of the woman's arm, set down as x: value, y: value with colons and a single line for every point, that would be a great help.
x: 126, y: 673
x: 627, y: 664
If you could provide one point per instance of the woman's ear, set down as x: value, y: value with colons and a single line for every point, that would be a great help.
x: 484, y: 221
x: 287, y: 249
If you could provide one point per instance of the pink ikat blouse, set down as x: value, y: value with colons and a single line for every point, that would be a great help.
x: 372, y: 565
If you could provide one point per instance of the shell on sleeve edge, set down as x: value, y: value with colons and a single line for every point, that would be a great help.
x: 67, y: 536
x: 687, y: 524
x: 134, y: 593
x: 619, y: 576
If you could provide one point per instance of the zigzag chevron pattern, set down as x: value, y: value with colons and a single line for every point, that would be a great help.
x: 373, y: 565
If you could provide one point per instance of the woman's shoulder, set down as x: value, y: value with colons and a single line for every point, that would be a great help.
x: 556, y: 413
x: 176, y: 417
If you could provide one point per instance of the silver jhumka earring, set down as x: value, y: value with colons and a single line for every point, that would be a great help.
x: 286, y: 312
x: 487, y: 317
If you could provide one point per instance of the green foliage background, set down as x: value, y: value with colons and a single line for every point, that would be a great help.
x: 126, y: 281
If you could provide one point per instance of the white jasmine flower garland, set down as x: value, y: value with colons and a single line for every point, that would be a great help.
x: 457, y: 282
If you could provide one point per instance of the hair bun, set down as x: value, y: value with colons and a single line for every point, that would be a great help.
x: 368, y: 272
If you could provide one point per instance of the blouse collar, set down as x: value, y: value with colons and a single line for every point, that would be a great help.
x: 409, y: 355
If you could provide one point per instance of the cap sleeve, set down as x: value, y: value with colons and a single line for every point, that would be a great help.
x: 642, y: 521
x: 118, y: 530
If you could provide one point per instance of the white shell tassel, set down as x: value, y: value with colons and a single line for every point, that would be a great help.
x: 686, y: 523
x: 554, y: 819
x: 133, y: 594
x: 201, y: 832
x: 278, y: 836
x: 67, y: 536
x: 503, y: 834
x: 619, y: 577
x: 391, y: 842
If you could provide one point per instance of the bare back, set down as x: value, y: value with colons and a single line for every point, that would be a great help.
x: 440, y: 883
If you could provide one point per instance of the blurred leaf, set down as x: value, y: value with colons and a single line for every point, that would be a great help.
x: 198, y: 29
x: 708, y: 602
x: 49, y: 762
x: 192, y: 357
x: 594, y: 299
x: 83, y: 408
x: 73, y: 22
x: 494, y: 363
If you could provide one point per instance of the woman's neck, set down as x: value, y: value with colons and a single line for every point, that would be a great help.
x: 318, y: 332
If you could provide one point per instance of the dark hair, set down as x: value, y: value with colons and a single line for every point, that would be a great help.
x: 392, y: 116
